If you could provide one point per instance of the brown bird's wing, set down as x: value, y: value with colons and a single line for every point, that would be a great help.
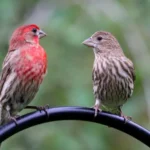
x: 131, y: 67
x: 133, y: 74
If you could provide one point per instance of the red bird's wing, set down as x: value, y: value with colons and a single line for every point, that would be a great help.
x: 6, y: 70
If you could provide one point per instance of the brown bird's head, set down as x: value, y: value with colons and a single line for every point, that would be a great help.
x: 103, y: 42
x: 26, y: 34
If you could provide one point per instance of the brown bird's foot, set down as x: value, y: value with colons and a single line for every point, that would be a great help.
x: 39, y: 108
x: 97, y: 107
x: 126, y: 118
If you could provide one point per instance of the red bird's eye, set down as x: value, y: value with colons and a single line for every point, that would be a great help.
x: 34, y: 30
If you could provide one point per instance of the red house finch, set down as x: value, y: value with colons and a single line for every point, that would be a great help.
x: 113, y: 73
x: 23, y: 70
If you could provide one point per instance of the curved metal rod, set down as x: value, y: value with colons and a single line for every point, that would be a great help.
x: 75, y: 113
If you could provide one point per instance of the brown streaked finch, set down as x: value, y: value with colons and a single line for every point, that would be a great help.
x: 113, y: 73
x: 23, y: 70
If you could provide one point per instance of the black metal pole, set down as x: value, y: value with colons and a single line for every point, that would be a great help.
x: 75, y: 113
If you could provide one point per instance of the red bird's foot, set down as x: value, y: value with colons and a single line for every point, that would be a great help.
x: 39, y: 108
x: 17, y: 116
x: 126, y: 118
x: 14, y: 120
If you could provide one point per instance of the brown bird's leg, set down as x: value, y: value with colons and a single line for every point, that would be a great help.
x: 40, y: 108
x: 97, y: 107
x: 126, y: 118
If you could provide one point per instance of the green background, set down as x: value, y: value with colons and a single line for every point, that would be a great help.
x: 68, y: 82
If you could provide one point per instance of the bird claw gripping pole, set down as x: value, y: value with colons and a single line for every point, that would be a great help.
x: 40, y: 108
x: 14, y: 120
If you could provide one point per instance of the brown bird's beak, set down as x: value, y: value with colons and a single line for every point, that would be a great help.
x: 41, y: 34
x: 88, y: 42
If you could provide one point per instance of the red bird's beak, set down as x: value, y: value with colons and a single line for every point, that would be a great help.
x: 41, y: 34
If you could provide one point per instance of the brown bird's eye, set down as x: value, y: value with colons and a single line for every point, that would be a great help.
x: 34, y: 30
x: 99, y: 38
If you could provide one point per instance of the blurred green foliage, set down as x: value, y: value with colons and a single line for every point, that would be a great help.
x: 68, y: 82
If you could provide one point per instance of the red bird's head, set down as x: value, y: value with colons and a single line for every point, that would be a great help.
x: 26, y: 34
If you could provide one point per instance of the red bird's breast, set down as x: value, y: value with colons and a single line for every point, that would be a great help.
x: 32, y: 65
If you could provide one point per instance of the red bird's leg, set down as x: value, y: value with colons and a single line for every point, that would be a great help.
x: 40, y: 108
x: 10, y: 117
x: 1, y: 112
x: 97, y: 107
